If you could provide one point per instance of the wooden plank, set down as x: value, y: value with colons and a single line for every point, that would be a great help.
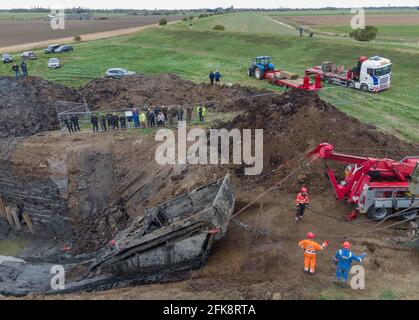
x: 9, y: 216
x: 28, y: 222
x: 16, y: 219
x: 2, y: 208
x: 289, y: 75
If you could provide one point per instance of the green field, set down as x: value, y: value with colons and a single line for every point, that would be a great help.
x: 410, y: 32
x: 192, y: 53
x: 332, y: 12
x: 5, y: 15
x: 247, y: 22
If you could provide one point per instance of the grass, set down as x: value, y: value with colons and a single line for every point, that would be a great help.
x: 4, y: 15
x: 389, y: 295
x: 248, y: 22
x: 384, y: 31
x: 192, y: 53
x: 329, y: 12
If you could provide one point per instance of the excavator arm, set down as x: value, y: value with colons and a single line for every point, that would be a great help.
x: 361, y: 170
x: 325, y: 151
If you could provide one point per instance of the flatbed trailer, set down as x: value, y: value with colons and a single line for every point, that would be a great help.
x: 276, y: 77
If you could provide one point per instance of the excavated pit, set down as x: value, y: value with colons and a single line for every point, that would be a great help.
x: 81, y: 190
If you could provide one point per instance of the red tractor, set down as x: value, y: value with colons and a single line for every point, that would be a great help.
x: 376, y: 186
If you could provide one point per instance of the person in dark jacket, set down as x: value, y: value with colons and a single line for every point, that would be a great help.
x: 157, y: 110
x: 123, y: 122
x: 75, y: 121
x: 24, y: 69
x: 115, y: 121
x: 152, y: 119
x: 217, y: 76
x: 211, y: 77
x: 95, y: 122
x: 69, y: 125
x: 179, y: 113
x: 109, y: 120
x: 148, y: 115
x: 15, y: 68
x: 103, y: 122
x: 189, y: 114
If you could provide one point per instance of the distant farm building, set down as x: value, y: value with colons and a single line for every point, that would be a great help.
x: 75, y: 16
x: 79, y: 16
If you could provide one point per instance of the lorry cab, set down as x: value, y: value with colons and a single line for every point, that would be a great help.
x: 374, y: 74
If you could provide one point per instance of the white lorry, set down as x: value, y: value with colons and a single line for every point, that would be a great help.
x: 370, y: 74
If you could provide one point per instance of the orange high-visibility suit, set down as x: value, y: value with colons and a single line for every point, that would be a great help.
x: 302, y: 198
x: 310, y: 253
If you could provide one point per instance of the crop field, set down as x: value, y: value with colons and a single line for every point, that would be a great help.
x: 193, y: 52
x: 395, y: 26
x: 17, y: 32
x: 343, y: 11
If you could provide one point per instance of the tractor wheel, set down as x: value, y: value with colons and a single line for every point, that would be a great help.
x: 378, y: 213
x: 350, y: 85
x: 258, y: 74
x: 410, y: 214
x: 250, y: 72
x: 364, y: 87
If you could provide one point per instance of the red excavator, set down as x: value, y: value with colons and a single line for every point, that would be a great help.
x: 376, y: 186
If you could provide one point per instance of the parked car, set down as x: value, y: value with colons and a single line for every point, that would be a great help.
x: 29, y: 55
x: 117, y: 73
x: 65, y: 48
x: 54, y: 63
x: 51, y: 48
x: 6, y: 58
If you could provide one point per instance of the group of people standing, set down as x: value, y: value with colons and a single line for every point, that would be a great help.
x: 23, y: 67
x: 159, y: 116
x: 215, y: 77
x: 72, y: 123
x: 343, y: 258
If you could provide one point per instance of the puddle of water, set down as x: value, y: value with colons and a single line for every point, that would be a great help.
x: 12, y: 247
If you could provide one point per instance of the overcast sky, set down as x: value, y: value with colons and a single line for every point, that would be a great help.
x: 190, y: 4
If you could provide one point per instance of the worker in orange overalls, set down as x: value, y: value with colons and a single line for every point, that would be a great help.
x: 301, y: 200
x: 310, y: 252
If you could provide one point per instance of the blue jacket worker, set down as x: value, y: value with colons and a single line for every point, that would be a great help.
x: 343, y: 260
x: 217, y: 76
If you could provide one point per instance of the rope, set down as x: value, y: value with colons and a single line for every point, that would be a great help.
x: 266, y: 191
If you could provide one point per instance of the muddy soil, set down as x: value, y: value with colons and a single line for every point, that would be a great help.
x: 27, y: 106
x: 166, y: 89
x: 295, y: 122
x: 94, y: 183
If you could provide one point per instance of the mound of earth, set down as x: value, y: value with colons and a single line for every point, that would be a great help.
x: 297, y: 121
x: 27, y: 106
x: 166, y: 89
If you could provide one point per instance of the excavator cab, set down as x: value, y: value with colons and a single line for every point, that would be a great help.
x: 327, y: 66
